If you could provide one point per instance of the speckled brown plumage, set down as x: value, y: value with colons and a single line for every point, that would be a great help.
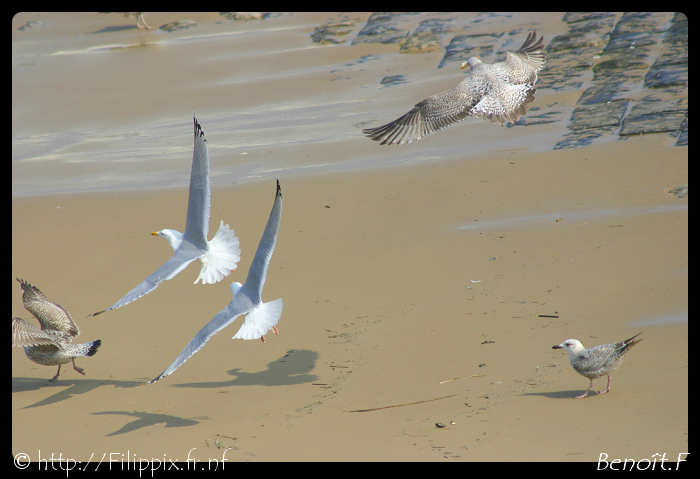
x: 50, y: 345
x: 496, y: 92
x: 598, y: 361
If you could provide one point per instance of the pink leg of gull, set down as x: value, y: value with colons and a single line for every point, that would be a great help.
x: 53, y: 379
x: 586, y: 393
x: 274, y: 329
x: 607, y: 389
x: 80, y: 370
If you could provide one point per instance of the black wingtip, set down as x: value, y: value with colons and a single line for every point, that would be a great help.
x: 279, y: 190
x: 95, y: 344
x: 95, y: 314
x: 28, y: 289
x: 198, y: 129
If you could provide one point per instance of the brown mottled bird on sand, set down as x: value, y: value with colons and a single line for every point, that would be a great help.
x: 52, y: 344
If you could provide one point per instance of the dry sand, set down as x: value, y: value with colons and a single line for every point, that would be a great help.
x: 388, y: 288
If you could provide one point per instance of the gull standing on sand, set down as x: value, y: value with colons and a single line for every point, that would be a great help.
x: 50, y: 345
x: 496, y: 92
x: 598, y: 361
x: 219, y: 256
x: 259, y: 317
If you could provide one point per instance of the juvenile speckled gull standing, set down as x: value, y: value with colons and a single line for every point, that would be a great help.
x: 259, y: 317
x: 219, y: 256
x: 496, y: 92
x: 598, y: 361
x: 50, y: 345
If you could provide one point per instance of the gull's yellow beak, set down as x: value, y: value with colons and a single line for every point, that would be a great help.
x: 466, y: 64
x: 155, y: 233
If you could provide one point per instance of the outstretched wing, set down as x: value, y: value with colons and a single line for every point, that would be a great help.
x: 258, y: 268
x: 197, y: 226
x: 50, y: 315
x: 170, y: 268
x: 219, y: 322
x: 522, y: 65
x: 25, y: 334
x: 430, y: 115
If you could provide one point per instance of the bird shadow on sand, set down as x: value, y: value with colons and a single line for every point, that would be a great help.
x: 64, y: 388
x: 144, y: 419
x: 562, y: 394
x: 293, y: 368
x: 116, y: 28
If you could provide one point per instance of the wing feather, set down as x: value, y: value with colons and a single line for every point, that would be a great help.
x: 219, y: 322
x: 198, y: 205
x: 168, y: 270
x: 258, y: 269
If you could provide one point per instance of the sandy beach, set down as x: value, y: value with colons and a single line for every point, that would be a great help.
x: 423, y: 284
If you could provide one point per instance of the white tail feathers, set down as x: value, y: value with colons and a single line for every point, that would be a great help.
x: 222, y: 258
x: 260, y: 320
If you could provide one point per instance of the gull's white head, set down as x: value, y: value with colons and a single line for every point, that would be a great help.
x: 472, y: 62
x: 573, y: 346
x: 235, y: 287
x: 173, y: 237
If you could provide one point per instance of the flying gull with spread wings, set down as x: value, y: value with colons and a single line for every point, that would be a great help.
x: 259, y: 317
x: 496, y: 92
x: 218, y: 257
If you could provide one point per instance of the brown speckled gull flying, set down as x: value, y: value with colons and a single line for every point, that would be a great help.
x: 496, y: 92
x: 597, y: 361
x: 50, y: 345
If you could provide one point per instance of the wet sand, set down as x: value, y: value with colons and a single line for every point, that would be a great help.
x: 390, y: 290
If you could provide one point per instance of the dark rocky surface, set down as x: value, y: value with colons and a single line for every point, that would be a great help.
x: 631, y: 69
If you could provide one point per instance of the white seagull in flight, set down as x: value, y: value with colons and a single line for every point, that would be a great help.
x: 219, y: 256
x: 259, y: 317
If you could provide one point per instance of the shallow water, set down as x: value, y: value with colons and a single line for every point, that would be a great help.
x: 100, y: 107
